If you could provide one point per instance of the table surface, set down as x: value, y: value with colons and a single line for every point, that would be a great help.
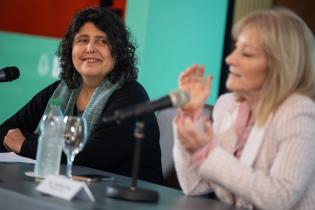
x: 17, y: 191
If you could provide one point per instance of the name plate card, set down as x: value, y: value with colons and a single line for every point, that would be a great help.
x: 65, y: 188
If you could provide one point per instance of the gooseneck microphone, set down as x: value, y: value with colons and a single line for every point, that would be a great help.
x: 174, y: 99
x: 9, y: 73
x: 133, y: 193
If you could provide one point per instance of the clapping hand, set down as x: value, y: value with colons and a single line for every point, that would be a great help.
x: 192, y: 81
x: 191, y: 134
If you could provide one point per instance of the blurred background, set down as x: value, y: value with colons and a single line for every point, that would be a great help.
x: 169, y: 34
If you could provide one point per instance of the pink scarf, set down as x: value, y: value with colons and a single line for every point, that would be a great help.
x: 243, y: 125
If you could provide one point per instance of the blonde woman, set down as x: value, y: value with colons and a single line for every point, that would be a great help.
x: 259, y: 152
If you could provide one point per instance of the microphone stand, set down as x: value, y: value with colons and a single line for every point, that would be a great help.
x: 133, y: 193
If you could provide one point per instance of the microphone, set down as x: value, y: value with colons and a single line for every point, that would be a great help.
x: 9, y: 73
x: 174, y: 99
x: 132, y: 193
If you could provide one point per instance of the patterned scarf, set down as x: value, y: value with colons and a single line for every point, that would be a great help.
x: 94, y: 108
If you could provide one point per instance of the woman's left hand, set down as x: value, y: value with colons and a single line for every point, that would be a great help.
x: 191, y: 136
x: 13, y: 140
x: 193, y: 82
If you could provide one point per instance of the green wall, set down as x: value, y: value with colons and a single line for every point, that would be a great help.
x: 171, y: 35
x: 35, y: 57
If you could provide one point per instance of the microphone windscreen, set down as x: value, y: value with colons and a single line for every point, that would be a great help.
x: 179, y: 98
x: 11, y: 73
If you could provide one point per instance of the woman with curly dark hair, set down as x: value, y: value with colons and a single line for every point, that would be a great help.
x: 121, y: 48
x: 98, y: 76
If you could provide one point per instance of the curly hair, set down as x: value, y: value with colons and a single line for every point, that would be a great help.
x: 122, y: 49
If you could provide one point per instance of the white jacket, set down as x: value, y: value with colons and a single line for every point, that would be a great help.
x: 276, y: 169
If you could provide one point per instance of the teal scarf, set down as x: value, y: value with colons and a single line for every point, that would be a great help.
x: 94, y: 108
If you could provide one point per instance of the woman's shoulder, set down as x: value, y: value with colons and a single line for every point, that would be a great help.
x: 297, y: 103
x: 294, y: 111
x: 295, y: 116
x: 54, y: 85
x: 133, y: 89
x: 133, y: 84
x: 226, y: 102
x: 47, y: 91
x: 131, y: 92
x: 299, y: 98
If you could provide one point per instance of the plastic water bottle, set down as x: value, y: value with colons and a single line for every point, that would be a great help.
x: 50, y: 141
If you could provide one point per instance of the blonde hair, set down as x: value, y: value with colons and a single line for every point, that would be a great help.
x: 287, y: 42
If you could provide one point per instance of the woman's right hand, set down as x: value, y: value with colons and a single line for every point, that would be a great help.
x: 192, y: 136
x: 13, y: 141
x: 193, y: 82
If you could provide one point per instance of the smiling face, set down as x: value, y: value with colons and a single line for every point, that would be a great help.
x: 247, y: 64
x: 91, y: 55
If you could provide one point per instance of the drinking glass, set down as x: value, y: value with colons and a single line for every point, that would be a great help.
x: 75, y: 137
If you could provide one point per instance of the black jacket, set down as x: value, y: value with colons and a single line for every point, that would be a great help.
x: 110, y: 146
